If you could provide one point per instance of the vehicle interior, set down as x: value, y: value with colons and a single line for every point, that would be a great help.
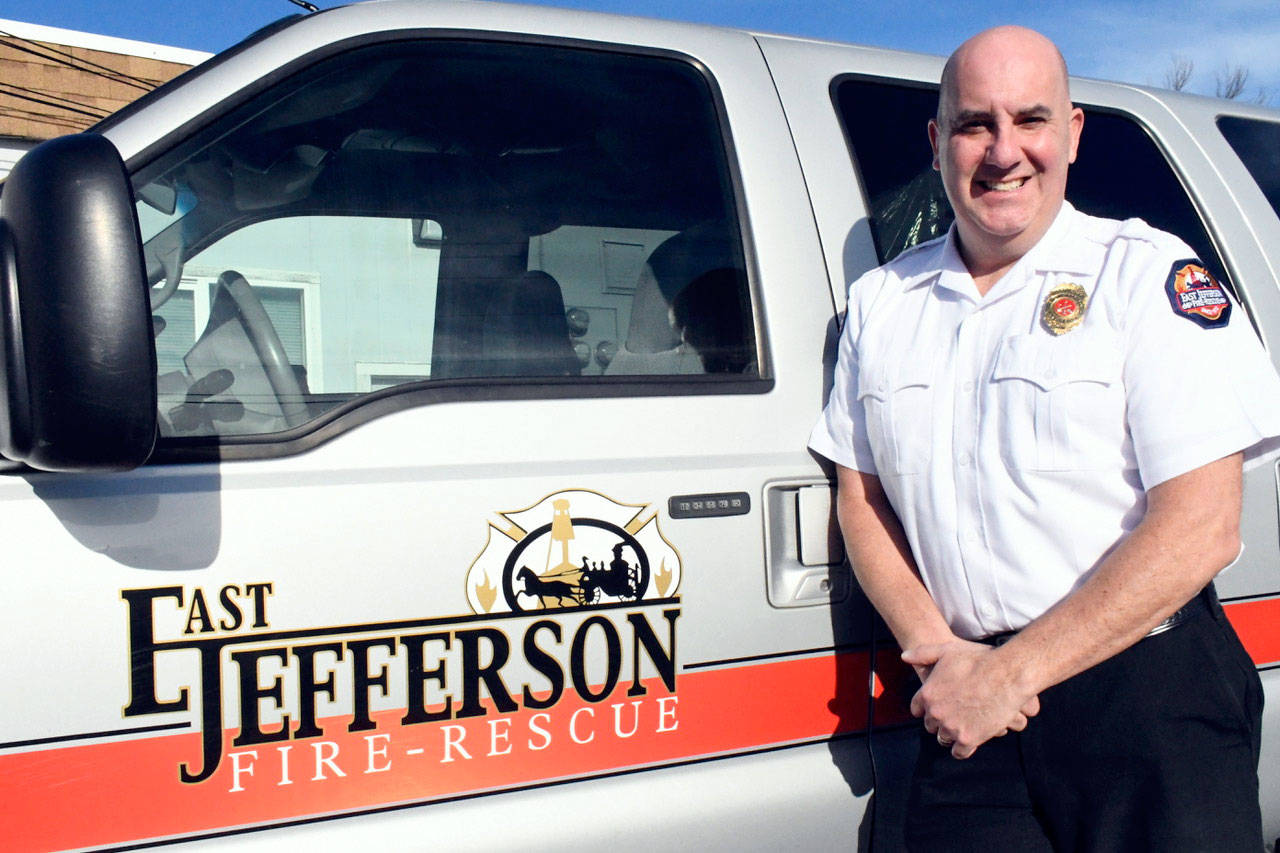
x: 442, y: 210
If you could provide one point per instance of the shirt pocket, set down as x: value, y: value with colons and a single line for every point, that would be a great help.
x: 898, y: 400
x: 1060, y: 400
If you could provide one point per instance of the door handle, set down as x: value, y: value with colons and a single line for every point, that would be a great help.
x: 804, y: 552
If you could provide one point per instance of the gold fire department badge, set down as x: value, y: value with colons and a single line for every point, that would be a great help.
x: 1064, y: 308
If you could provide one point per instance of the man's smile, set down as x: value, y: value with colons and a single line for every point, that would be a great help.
x: 1003, y: 186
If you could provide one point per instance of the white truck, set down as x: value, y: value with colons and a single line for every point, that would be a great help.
x: 405, y: 415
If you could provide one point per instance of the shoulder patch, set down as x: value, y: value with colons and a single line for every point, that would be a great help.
x: 1197, y: 295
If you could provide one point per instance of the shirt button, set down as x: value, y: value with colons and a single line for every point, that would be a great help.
x: 968, y: 387
x: 964, y: 459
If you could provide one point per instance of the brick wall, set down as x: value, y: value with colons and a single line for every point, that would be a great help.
x: 48, y: 89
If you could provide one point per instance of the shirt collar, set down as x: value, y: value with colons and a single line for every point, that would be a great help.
x: 1061, y: 249
x: 1055, y: 252
x: 952, y: 273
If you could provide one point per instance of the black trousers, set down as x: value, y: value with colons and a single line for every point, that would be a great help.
x: 1154, y: 749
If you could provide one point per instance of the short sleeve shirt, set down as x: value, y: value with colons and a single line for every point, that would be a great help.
x: 1015, y: 457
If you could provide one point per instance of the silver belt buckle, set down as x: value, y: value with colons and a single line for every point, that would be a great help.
x: 1173, y: 621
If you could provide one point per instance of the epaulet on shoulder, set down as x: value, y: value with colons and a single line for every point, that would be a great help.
x: 1137, y: 229
x: 1108, y: 231
x: 907, y: 259
x: 918, y: 246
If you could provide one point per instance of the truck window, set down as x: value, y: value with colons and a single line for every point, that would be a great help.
x: 441, y: 210
x: 1257, y: 143
x: 1119, y: 171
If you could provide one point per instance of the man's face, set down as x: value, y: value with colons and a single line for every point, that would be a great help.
x: 1005, y: 134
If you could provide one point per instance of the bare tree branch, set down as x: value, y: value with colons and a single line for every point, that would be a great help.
x: 1231, y: 81
x: 1178, y: 75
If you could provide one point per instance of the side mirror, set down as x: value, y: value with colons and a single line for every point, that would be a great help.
x: 77, y: 388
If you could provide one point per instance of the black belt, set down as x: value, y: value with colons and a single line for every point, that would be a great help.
x: 1203, y: 601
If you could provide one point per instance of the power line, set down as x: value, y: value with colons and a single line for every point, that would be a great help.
x: 42, y: 118
x: 67, y: 58
x: 60, y: 57
x: 94, y: 114
x: 62, y: 100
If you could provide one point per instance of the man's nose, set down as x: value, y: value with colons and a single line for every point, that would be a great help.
x: 1003, y: 152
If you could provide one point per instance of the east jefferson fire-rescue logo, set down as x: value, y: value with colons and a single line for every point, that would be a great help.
x: 1197, y: 295
x: 574, y: 548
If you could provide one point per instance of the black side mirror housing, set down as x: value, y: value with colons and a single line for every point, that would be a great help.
x: 78, y: 361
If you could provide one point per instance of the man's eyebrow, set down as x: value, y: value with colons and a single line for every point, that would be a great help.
x: 963, y: 117
x: 967, y: 116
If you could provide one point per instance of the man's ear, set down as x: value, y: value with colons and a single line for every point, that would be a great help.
x: 933, y: 142
x: 1075, y: 125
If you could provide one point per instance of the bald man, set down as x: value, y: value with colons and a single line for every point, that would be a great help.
x: 1036, y: 496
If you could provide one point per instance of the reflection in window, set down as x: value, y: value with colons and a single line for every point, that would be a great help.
x: 1119, y: 171
x: 175, y: 330
x: 533, y: 212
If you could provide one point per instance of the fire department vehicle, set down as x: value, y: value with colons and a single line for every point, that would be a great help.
x: 446, y: 482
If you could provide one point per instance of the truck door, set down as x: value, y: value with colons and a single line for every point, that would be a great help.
x: 481, y: 484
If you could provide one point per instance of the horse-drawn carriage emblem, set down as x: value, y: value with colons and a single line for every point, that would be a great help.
x: 574, y: 558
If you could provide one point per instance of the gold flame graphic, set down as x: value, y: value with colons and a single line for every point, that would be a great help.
x: 662, y: 578
x: 486, y: 594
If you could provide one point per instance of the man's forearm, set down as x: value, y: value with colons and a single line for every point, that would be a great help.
x: 1189, y: 533
x: 882, y: 562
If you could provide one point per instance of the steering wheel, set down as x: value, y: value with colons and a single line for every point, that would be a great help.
x: 268, y: 346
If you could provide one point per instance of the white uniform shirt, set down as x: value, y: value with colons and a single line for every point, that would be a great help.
x: 1017, y: 459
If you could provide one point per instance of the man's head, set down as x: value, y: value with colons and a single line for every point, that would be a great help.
x: 1003, y: 138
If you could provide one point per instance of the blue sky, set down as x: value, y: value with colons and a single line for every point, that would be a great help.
x: 1131, y: 41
